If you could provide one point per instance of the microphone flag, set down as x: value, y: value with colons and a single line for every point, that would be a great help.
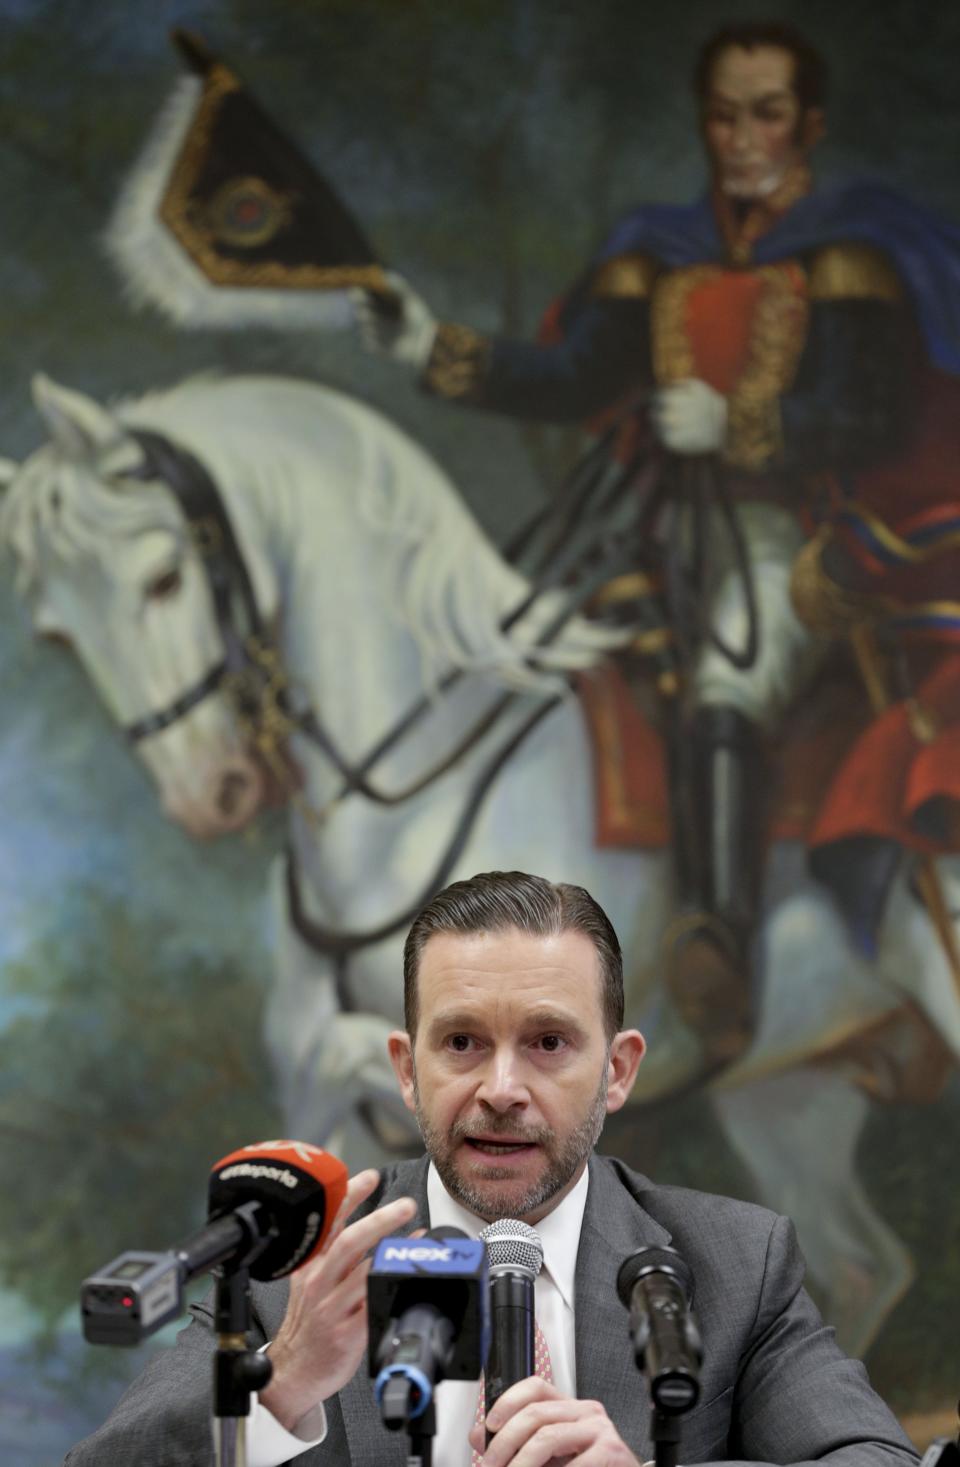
x: 446, y: 1273
x: 222, y: 221
x: 297, y: 1184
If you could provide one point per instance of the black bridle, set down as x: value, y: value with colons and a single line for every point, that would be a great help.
x: 239, y: 623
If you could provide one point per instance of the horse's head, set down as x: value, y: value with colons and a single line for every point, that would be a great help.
x: 107, y: 562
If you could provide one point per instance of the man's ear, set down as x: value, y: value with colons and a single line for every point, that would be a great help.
x: 400, y: 1050
x: 626, y: 1052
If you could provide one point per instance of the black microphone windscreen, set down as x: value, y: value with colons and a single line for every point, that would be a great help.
x: 653, y: 1260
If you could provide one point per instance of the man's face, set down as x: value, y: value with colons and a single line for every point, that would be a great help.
x: 511, y: 1074
x: 753, y: 125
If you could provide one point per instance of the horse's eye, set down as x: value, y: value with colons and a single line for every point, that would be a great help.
x: 55, y: 639
x: 165, y: 586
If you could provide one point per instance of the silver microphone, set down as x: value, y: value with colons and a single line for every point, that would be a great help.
x: 516, y: 1256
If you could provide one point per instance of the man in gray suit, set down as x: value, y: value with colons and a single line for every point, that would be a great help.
x: 512, y: 1056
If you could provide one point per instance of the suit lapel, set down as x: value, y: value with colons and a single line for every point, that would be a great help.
x: 614, y: 1224
x: 370, y: 1444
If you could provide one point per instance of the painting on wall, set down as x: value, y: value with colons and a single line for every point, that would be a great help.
x: 389, y: 496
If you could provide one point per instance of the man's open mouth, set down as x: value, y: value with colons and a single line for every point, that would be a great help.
x: 497, y: 1145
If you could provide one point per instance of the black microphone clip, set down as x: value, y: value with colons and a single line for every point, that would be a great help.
x: 656, y: 1285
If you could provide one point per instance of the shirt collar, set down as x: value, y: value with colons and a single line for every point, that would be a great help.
x: 559, y: 1231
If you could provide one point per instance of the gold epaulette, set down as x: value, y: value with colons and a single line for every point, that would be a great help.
x: 851, y: 271
x: 457, y: 366
x: 625, y: 275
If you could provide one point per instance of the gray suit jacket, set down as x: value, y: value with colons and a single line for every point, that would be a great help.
x: 775, y: 1386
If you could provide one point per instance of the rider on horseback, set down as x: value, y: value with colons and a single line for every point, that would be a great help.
x: 768, y: 329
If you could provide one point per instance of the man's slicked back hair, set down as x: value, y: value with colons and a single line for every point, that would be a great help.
x: 810, y: 76
x: 497, y: 901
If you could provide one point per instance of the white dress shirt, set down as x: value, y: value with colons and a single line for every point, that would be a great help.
x: 269, y: 1444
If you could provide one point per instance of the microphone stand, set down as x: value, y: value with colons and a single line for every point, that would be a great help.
x: 665, y: 1431
x: 237, y: 1370
x: 421, y: 1433
x: 421, y: 1430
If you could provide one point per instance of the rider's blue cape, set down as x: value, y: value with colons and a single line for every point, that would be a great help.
x: 924, y: 248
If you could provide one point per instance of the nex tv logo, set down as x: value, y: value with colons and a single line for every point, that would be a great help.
x: 456, y: 1256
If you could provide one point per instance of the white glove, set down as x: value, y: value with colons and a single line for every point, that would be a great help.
x: 406, y: 336
x: 690, y: 417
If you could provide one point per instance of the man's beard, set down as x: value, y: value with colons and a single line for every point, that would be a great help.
x: 562, y: 1160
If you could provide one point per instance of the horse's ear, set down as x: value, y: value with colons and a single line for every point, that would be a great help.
x: 7, y: 470
x: 79, y: 427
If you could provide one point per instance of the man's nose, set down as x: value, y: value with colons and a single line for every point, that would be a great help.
x: 502, y: 1084
x: 741, y: 134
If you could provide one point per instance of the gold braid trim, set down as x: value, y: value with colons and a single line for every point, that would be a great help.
x: 457, y: 365
x: 672, y: 352
x: 778, y: 333
x: 820, y: 602
x: 830, y: 609
x: 625, y: 276
x: 195, y: 225
x: 754, y: 430
x: 853, y: 272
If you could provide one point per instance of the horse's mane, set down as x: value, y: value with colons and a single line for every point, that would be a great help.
x: 453, y: 589
x: 448, y: 584
x: 54, y: 505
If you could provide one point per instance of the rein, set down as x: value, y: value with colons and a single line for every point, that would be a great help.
x: 239, y: 622
x: 252, y: 676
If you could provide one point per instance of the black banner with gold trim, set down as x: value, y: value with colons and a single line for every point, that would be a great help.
x: 245, y: 204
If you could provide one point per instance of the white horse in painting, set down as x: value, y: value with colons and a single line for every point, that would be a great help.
x: 377, y: 582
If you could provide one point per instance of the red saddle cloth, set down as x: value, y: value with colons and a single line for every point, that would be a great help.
x: 840, y: 771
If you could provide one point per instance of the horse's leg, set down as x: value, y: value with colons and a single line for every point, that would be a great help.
x: 797, y: 1132
x: 331, y: 1067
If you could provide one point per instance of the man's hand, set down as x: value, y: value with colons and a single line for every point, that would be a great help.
x: 690, y: 417
x: 403, y: 329
x: 536, y: 1426
x: 324, y: 1332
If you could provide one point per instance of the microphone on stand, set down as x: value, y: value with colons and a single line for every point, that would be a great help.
x: 270, y: 1208
x: 656, y: 1285
x: 428, y: 1311
x: 516, y: 1257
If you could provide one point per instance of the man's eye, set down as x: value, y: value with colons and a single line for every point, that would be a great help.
x: 552, y: 1043
x: 460, y: 1043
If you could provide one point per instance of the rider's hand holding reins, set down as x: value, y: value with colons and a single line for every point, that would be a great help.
x: 690, y: 417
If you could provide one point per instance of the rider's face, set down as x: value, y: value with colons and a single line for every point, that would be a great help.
x: 511, y: 1072
x: 753, y: 125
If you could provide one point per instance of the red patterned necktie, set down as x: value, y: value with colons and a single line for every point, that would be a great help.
x: 541, y: 1367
